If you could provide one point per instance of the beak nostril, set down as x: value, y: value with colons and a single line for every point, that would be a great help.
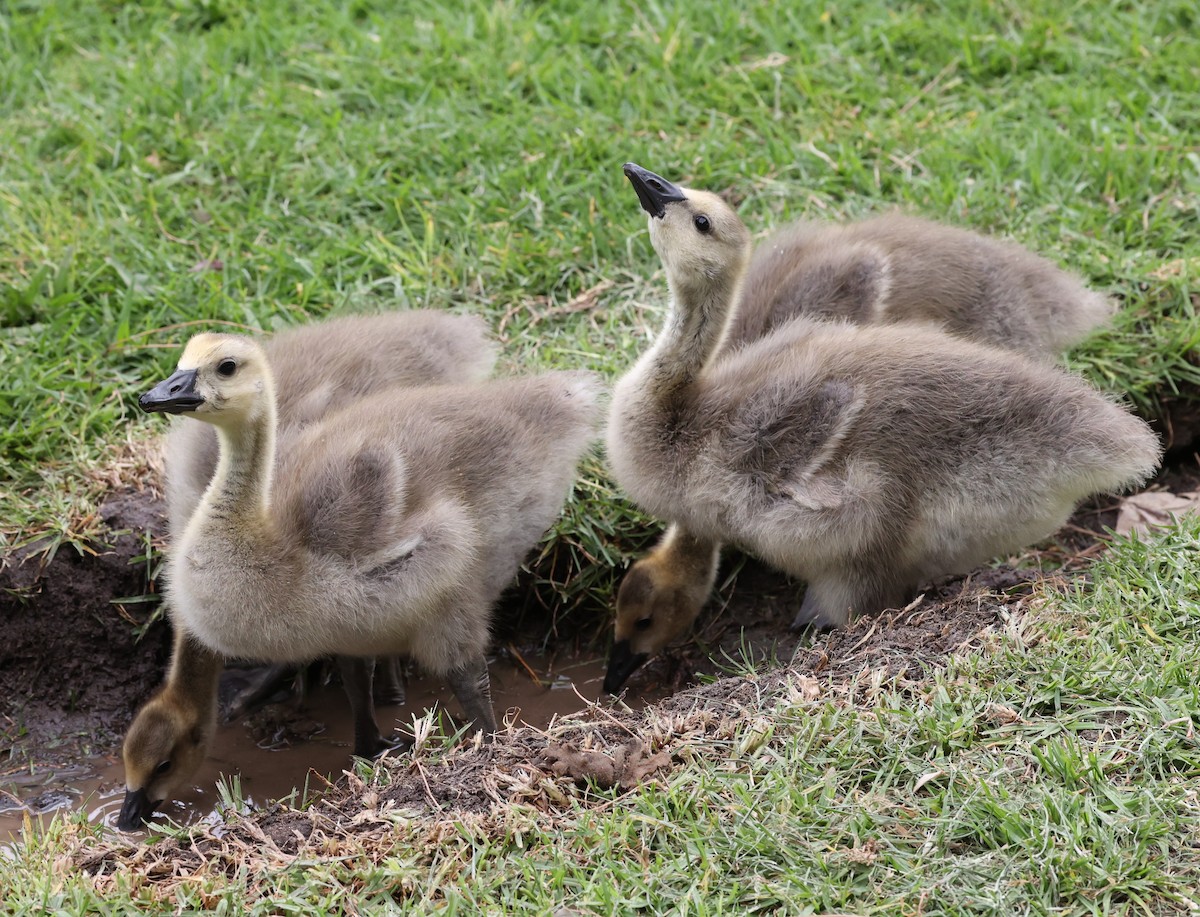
x: 174, y: 395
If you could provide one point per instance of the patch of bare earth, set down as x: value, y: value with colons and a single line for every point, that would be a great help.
x: 76, y: 662
x: 540, y: 773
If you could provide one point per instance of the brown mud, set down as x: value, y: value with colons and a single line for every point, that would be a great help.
x: 301, y: 745
x: 73, y: 671
x: 72, y: 666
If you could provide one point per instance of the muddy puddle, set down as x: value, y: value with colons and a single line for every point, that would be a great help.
x: 298, y: 747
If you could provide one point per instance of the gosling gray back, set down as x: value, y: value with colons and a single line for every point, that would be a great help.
x: 325, y: 366
x: 505, y: 449
x: 899, y: 268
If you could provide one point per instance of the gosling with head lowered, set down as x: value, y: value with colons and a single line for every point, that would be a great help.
x: 863, y: 459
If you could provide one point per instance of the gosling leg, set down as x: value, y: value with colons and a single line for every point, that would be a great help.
x: 357, y: 675
x: 831, y: 603
x: 811, y: 615
x: 472, y: 686
x: 268, y: 683
x: 389, y: 687
x: 826, y: 607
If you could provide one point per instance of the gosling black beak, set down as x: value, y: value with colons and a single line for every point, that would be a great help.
x: 653, y: 191
x: 135, y: 811
x: 175, y: 395
x: 622, y: 663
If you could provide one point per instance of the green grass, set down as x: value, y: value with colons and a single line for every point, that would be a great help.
x: 1055, y: 774
x: 174, y: 163
x: 168, y: 164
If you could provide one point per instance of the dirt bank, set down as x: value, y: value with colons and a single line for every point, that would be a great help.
x: 75, y: 661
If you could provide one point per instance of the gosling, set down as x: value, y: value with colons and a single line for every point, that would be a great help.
x: 321, y: 367
x: 898, y: 268
x: 389, y: 527
x: 171, y: 734
x: 865, y: 460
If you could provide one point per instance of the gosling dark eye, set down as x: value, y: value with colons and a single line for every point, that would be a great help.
x: 702, y: 223
x: 643, y: 623
x: 226, y: 368
x: 163, y: 767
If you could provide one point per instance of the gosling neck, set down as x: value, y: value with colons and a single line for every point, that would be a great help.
x: 701, y: 308
x: 695, y: 557
x: 241, y: 485
x: 195, y: 670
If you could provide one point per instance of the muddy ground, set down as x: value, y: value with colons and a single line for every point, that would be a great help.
x: 75, y: 664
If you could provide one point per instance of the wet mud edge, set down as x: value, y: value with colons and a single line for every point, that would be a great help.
x: 73, y: 671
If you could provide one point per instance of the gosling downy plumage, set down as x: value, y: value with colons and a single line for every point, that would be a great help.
x: 865, y: 460
x: 171, y: 733
x: 389, y: 526
x: 898, y: 268
x: 320, y: 368
x: 884, y: 270
x: 327, y: 365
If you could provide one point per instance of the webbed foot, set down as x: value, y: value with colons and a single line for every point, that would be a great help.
x: 472, y: 686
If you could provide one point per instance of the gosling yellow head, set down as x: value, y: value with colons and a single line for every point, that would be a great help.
x: 696, y: 234
x: 163, y: 750
x: 221, y: 379
x: 659, y: 599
